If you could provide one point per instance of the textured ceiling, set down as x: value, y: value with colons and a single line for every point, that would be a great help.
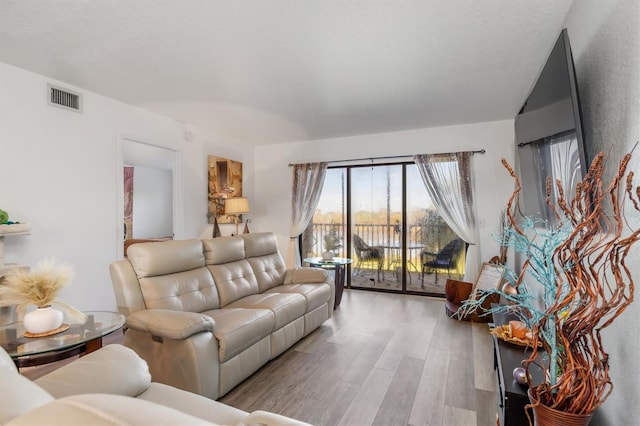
x: 286, y: 70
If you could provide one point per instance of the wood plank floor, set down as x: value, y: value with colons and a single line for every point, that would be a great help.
x: 383, y: 359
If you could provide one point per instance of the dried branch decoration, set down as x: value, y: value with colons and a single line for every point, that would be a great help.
x: 594, y: 286
x: 587, y: 284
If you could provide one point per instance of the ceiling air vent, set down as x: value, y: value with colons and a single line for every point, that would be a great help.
x: 64, y: 98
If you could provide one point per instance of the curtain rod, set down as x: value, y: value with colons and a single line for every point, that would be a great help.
x: 479, y: 151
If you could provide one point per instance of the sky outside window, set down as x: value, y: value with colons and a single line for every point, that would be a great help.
x: 369, y: 192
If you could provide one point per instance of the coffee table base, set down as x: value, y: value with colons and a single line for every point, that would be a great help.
x: 49, y: 357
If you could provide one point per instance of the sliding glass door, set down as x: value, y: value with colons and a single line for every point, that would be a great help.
x: 383, y: 219
x: 377, y: 225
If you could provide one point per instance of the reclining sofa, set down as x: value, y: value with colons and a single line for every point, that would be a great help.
x: 206, y: 314
x: 112, y: 386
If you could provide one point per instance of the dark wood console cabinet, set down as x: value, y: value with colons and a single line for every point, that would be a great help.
x: 512, y: 396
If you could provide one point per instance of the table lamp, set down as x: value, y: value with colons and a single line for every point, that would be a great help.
x: 235, y: 207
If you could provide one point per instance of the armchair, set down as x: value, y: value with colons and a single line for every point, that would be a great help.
x: 112, y: 386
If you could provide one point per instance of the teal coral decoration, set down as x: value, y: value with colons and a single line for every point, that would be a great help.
x: 4, y: 217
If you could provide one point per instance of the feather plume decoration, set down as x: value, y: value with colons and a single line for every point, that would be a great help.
x: 38, y: 286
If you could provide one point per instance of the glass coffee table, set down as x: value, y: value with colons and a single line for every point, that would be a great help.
x: 78, y: 339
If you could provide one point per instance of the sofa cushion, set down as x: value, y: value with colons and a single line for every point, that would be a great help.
x: 260, y: 244
x: 223, y: 250
x: 189, y: 291
x: 193, y: 404
x: 270, y: 270
x: 261, y: 250
x: 167, y: 257
x: 315, y: 295
x: 238, y: 329
x: 285, y: 307
x: 234, y: 280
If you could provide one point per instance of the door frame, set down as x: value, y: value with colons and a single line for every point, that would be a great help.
x: 177, y: 203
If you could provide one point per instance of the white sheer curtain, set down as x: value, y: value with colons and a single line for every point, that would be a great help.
x: 448, y: 180
x: 557, y: 157
x: 565, y: 164
x: 308, y: 180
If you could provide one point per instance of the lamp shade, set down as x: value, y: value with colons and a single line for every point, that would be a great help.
x: 236, y: 205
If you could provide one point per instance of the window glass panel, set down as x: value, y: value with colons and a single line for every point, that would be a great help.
x: 329, y: 218
x: 376, y: 204
x: 376, y: 217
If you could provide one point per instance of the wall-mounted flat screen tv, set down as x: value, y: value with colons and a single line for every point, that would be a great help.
x: 549, y: 136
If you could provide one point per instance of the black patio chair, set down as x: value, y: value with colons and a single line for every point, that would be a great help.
x: 444, y: 260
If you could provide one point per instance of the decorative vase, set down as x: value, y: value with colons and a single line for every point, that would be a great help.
x: 42, y: 320
x: 327, y: 255
x: 216, y: 228
x: 546, y: 416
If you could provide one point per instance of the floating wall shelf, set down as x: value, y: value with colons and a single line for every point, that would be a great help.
x: 16, y: 229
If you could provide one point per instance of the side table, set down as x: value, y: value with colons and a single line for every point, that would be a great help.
x: 78, y: 339
x: 338, y: 264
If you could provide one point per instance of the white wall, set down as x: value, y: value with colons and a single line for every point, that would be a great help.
x: 59, y: 172
x: 152, y: 203
x: 605, y: 39
x: 272, y: 179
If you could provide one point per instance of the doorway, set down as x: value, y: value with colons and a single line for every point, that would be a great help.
x: 148, y: 190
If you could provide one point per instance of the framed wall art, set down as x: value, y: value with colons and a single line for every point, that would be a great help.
x: 225, y: 181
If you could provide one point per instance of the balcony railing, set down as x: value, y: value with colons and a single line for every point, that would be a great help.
x: 385, y: 235
x: 420, y: 237
x: 374, y: 235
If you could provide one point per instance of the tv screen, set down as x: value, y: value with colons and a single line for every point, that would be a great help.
x: 549, y: 137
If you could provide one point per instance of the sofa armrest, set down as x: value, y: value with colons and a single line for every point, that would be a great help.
x: 176, y: 325
x: 19, y: 395
x: 113, y: 369
x: 305, y: 275
x: 126, y: 287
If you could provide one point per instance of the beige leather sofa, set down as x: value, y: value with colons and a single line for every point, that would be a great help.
x: 206, y: 314
x: 111, y: 386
